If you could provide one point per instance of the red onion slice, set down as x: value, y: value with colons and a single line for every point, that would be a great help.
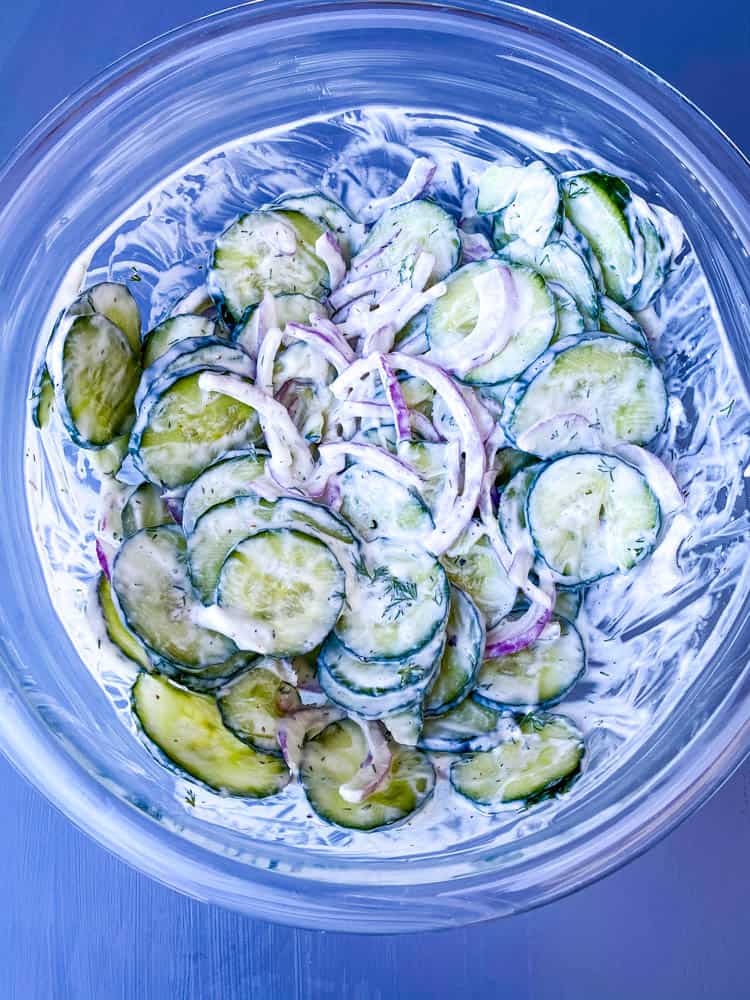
x: 474, y: 246
x: 101, y: 556
x: 328, y: 250
x: 299, y: 726
x: 396, y: 401
x: 374, y: 768
x: 323, y: 343
x: 375, y: 458
x: 420, y: 174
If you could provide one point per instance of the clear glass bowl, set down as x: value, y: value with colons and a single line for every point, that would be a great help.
x: 267, y: 64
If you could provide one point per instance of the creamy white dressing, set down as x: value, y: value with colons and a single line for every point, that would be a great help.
x: 644, y: 631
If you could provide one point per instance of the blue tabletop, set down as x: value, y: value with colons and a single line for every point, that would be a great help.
x: 76, y: 923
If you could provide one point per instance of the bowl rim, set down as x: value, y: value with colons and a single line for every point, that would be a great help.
x: 132, y: 835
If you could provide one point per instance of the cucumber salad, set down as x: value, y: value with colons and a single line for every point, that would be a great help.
x: 355, y: 486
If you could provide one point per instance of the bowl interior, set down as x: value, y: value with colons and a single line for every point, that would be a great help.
x: 226, y: 113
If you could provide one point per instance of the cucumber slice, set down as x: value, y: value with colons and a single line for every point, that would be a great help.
x: 188, y: 730
x: 453, y: 317
x: 116, y: 303
x: 468, y: 726
x: 540, y: 674
x: 345, y: 678
x: 218, y: 530
x: 231, y: 477
x: 164, y: 336
x: 568, y: 317
x: 405, y: 727
x: 145, y: 508
x: 334, y: 757
x: 600, y: 383
x: 181, y: 430
x: 591, y: 515
x: 188, y: 356
x: 599, y: 206
x: 376, y: 506
x: 252, y: 704
x: 117, y: 631
x: 473, y: 567
x: 396, y: 602
x: 464, y: 649
x: 301, y: 362
x: 542, y: 760
x: 656, y: 256
x: 563, y: 263
x: 526, y: 201
x: 568, y: 603
x: 404, y: 231
x: 288, y: 308
x: 618, y: 321
x: 281, y: 591
x: 95, y: 375
x: 266, y: 250
x: 511, y: 509
x: 329, y: 215
x: 152, y: 585
x: 42, y: 397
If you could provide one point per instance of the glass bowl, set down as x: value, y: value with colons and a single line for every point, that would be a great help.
x: 261, y: 66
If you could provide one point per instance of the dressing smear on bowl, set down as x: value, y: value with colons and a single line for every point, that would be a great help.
x: 645, y: 632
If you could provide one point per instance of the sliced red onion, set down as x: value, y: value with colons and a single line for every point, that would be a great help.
x: 263, y: 319
x: 445, y: 425
x: 562, y: 431
x: 474, y: 246
x: 513, y: 635
x: 291, y: 461
x: 322, y: 342
x: 368, y: 261
x: 374, y: 458
x: 374, y: 768
x: 420, y: 174
x: 174, y: 506
x: 660, y: 479
x: 334, y: 334
x: 357, y: 286
x: 101, y: 556
x: 328, y: 250
x: 267, y: 352
x: 299, y: 726
x: 424, y: 427
x: 396, y: 401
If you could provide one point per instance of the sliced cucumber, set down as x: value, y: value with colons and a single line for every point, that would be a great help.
x: 473, y: 567
x: 115, y: 302
x: 464, y: 650
x: 616, y: 320
x: 656, y: 256
x: 329, y: 215
x: 187, y: 728
x: 599, y: 206
x: 601, y: 383
x: 267, y: 250
x: 545, y: 756
x: 376, y: 506
x: 42, y: 397
x: 569, y: 318
x: 151, y: 581
x: 184, y: 327
x: 217, y: 531
x: 453, y: 317
x: 144, y: 508
x: 288, y: 307
x: 404, y: 231
x: 568, y: 603
x: 252, y: 704
x: 280, y: 592
x: 405, y: 727
x: 468, y: 726
x: 301, y: 362
x: 333, y: 758
x: 182, y: 429
x: 540, y: 674
x: 396, y: 602
x: 188, y: 356
x: 524, y: 200
x: 95, y: 375
x: 118, y: 632
x: 591, y: 515
x: 231, y: 477
x: 511, y: 509
x: 348, y: 680
x: 561, y: 262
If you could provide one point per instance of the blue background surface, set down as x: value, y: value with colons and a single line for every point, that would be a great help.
x: 76, y: 924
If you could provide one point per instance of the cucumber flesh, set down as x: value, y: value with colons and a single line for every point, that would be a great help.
x: 158, y: 341
x: 464, y: 649
x: 540, y: 674
x: 253, y: 703
x: 376, y: 505
x: 602, y: 385
x: 546, y: 753
x: 144, y: 508
x: 406, y: 726
x: 616, y: 320
x: 152, y: 585
x: 188, y: 355
x: 288, y: 307
x: 332, y: 759
x: 526, y: 200
x: 115, y: 302
x: 468, y: 726
x: 280, y: 592
x: 267, y: 251
x: 561, y: 262
x: 231, y: 477
x: 42, y: 397
x: 329, y: 215
x: 568, y: 317
x: 396, y: 602
x: 472, y: 566
x: 117, y: 631
x: 188, y: 729
x: 591, y: 515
